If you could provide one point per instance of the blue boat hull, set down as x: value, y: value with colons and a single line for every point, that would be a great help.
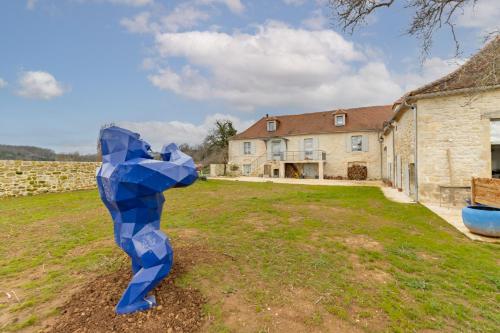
x: 482, y: 220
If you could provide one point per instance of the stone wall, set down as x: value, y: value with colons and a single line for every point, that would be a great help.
x: 217, y: 170
x: 388, y: 159
x: 404, y: 144
x: 454, y: 140
x: 18, y: 178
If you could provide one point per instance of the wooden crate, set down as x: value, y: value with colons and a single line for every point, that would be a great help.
x: 486, y: 191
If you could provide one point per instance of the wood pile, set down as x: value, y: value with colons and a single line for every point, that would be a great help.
x: 357, y: 172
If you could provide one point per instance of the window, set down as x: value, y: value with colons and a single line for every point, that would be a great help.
x: 308, y: 148
x: 271, y: 126
x: 247, y: 148
x: 247, y: 169
x: 340, y: 120
x: 276, y: 150
x: 357, y: 143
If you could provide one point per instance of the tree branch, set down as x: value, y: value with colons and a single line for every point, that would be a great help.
x: 429, y: 16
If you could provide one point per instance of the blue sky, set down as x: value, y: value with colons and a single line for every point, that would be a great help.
x: 168, y: 69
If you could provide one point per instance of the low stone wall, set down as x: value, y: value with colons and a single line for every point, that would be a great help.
x: 18, y: 178
x: 217, y: 170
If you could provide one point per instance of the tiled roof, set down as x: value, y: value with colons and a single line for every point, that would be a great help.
x: 369, y: 118
x: 482, y: 70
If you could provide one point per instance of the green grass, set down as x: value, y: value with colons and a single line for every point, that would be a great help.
x: 336, y: 253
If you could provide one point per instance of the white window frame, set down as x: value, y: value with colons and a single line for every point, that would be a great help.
x: 308, y: 150
x: 247, y: 148
x: 342, y: 117
x: 276, y: 155
x: 359, y: 146
x: 271, y: 126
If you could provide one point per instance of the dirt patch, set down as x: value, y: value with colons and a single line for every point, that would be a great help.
x: 80, y: 251
x: 92, y: 309
x: 289, y: 309
x: 363, y: 242
x: 364, y: 274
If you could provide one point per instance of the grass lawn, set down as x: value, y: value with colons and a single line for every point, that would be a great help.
x: 287, y: 258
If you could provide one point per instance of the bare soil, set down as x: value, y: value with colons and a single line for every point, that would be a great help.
x: 92, y: 308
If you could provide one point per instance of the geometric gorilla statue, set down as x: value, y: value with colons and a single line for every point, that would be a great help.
x: 131, y: 185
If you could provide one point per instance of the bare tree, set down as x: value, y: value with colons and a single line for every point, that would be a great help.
x: 429, y: 16
x: 218, y: 138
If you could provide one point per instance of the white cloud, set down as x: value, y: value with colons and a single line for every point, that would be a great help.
x: 316, y: 21
x: 134, y: 3
x: 186, y: 15
x: 39, y: 85
x: 432, y: 69
x: 30, y: 4
x: 294, y: 2
x: 277, y: 66
x: 280, y: 66
x: 158, y: 133
x: 236, y: 6
x: 183, y: 16
x: 138, y: 24
x: 483, y: 15
x: 3, y: 83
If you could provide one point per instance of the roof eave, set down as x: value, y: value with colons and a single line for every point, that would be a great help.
x: 411, y: 98
x: 315, y: 133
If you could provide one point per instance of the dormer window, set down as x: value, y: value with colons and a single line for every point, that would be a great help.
x: 340, y: 120
x: 271, y: 126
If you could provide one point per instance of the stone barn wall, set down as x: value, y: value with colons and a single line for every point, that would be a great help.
x: 19, y: 178
x: 454, y: 140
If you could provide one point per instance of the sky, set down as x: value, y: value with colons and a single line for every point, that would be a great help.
x: 169, y: 69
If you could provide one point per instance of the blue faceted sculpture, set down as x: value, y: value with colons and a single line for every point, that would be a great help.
x: 131, y: 185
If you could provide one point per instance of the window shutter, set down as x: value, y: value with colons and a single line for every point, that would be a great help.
x: 364, y: 143
x: 348, y: 145
x: 283, y: 149
x: 242, y: 148
x: 269, y: 152
x: 254, y: 148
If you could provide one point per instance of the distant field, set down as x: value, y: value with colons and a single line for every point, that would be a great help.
x: 283, y: 258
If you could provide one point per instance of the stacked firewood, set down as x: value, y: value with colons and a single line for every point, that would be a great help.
x: 357, y: 172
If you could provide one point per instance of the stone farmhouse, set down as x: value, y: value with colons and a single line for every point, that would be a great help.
x: 442, y: 134
x: 429, y: 143
x: 312, y: 145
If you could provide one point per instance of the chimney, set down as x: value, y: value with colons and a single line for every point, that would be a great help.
x: 267, y: 115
